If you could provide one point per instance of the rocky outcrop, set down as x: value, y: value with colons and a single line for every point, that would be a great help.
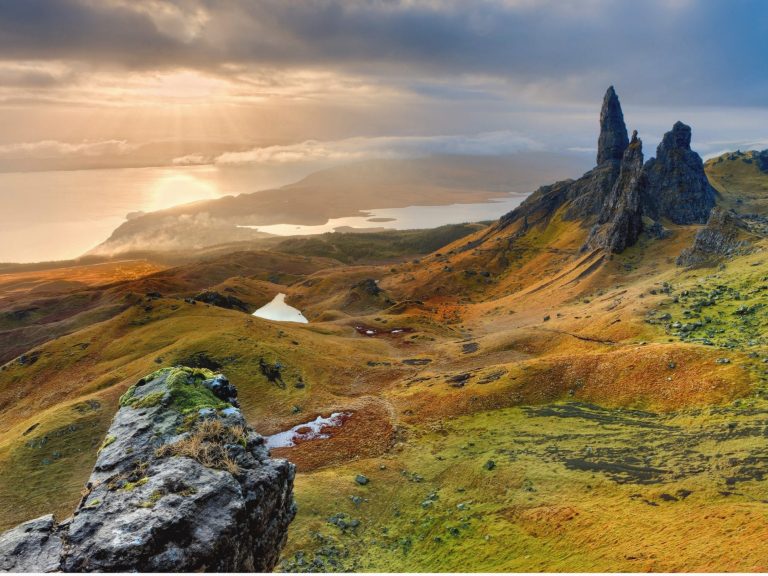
x: 621, y: 220
x: 719, y: 239
x: 181, y: 483
x: 217, y: 299
x: 678, y: 188
x: 583, y: 199
x: 613, y: 140
x: 622, y: 197
x: 33, y: 546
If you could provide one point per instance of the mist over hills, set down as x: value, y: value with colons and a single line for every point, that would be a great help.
x: 339, y: 192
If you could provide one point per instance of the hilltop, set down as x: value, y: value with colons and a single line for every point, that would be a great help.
x: 571, y: 387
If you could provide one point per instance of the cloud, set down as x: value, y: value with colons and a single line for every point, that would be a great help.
x: 657, y: 50
x: 351, y: 149
x: 53, y: 148
x: 192, y: 160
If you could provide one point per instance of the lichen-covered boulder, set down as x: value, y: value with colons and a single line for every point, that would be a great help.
x: 181, y: 483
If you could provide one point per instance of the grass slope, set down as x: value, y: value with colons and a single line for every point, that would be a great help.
x: 520, y: 405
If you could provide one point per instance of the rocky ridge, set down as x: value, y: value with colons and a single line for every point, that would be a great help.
x: 677, y: 187
x: 621, y: 219
x: 622, y: 197
x: 181, y: 483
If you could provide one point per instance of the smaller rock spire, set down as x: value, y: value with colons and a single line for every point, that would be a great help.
x: 678, y: 137
x: 613, y: 138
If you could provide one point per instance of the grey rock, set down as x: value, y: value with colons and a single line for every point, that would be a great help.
x: 678, y: 188
x: 621, y: 221
x: 613, y: 140
x: 717, y: 240
x: 217, y: 299
x: 150, y: 506
x: 621, y: 198
x: 221, y: 388
x: 33, y: 546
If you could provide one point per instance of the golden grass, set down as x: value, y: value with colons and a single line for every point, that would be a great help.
x: 207, y: 443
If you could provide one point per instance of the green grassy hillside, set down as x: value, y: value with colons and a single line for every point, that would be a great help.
x: 513, y: 404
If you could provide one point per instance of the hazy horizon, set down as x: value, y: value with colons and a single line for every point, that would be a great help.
x: 279, y: 90
x: 164, y: 82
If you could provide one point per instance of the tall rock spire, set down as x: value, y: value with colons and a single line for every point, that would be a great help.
x: 613, y: 138
x: 678, y: 188
x: 621, y: 220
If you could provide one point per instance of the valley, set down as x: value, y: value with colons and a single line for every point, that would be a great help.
x: 550, y: 391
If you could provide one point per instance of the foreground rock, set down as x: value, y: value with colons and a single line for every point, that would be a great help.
x: 181, y: 483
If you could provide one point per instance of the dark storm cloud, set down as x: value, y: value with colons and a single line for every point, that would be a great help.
x: 659, y: 51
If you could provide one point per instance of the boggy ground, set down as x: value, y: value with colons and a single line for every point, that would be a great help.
x: 521, y: 405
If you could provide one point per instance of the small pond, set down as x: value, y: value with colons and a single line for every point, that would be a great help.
x: 278, y: 310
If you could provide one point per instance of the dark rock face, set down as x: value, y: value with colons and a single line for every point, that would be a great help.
x: 621, y: 220
x: 584, y: 197
x: 622, y: 198
x: 181, y: 483
x: 369, y: 286
x: 762, y: 160
x: 33, y: 546
x: 678, y: 188
x: 217, y: 299
x: 613, y: 138
x: 717, y: 240
x: 587, y: 195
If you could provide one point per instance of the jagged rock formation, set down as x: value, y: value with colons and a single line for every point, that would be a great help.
x: 621, y: 221
x: 181, y: 483
x: 586, y: 196
x: 622, y: 197
x: 678, y: 189
x: 613, y: 140
x: 719, y: 239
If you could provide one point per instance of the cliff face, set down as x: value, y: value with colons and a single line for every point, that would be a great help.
x: 621, y: 192
x: 586, y: 196
x: 181, y: 483
x: 678, y: 188
x: 621, y: 220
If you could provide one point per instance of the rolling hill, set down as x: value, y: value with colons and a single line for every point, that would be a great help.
x: 550, y: 392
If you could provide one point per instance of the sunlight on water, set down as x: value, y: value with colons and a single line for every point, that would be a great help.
x: 62, y: 214
x: 178, y: 188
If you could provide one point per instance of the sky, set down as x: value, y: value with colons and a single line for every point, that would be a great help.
x: 268, y: 82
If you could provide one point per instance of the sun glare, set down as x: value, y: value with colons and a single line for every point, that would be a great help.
x: 176, y: 188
